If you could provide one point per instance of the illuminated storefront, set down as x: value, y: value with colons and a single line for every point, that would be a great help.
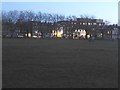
x: 57, y: 33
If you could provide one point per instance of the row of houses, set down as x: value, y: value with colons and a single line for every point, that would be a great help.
x: 60, y: 28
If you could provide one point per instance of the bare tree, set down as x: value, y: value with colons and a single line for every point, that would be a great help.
x: 45, y: 19
x: 10, y: 16
x: 61, y: 17
x: 74, y: 18
x: 68, y: 18
x: 56, y: 17
x: 22, y: 16
x: 36, y: 18
x: 4, y: 16
x: 29, y: 15
x: 86, y: 16
x: 107, y: 22
x: 82, y: 16
x: 92, y: 17
x: 39, y: 16
x: 49, y: 17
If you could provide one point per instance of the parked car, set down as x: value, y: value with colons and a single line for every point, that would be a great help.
x: 14, y: 35
x: 8, y: 36
x: 48, y: 35
x: 34, y: 36
x: 20, y: 35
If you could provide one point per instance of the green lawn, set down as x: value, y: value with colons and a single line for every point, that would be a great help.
x: 48, y: 63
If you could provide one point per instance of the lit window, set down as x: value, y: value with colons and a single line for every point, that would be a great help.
x: 88, y: 23
x: 75, y: 30
x: 78, y: 30
x: 94, y: 23
x: 99, y: 24
x: 83, y: 23
x: 108, y: 32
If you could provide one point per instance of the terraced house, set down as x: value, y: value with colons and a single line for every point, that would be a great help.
x: 94, y: 27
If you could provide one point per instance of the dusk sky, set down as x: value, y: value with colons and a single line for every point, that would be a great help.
x: 103, y: 10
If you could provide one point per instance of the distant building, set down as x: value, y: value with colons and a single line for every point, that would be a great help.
x: 119, y: 13
x: 115, y: 34
x: 95, y: 27
x: 89, y: 25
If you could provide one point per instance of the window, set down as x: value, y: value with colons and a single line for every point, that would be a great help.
x: 89, y: 23
x: 94, y: 23
x: 83, y: 23
x: 74, y: 22
x: 99, y: 24
x: 36, y: 23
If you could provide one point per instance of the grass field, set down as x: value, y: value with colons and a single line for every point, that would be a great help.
x: 52, y: 63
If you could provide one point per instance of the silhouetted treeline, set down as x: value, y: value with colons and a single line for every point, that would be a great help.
x: 14, y: 16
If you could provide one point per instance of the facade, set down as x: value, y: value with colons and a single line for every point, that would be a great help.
x: 119, y: 13
x: 116, y: 33
x: 93, y: 27
x: 7, y: 29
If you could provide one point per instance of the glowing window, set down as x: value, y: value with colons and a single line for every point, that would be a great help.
x: 89, y: 24
x: 83, y: 23
x: 94, y: 23
x: 99, y: 24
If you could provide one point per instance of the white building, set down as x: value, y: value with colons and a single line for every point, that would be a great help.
x: 115, y: 34
x: 119, y: 13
